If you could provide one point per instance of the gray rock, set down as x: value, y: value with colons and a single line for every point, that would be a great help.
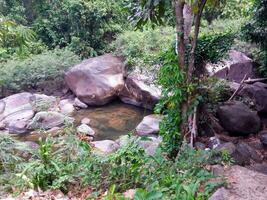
x: 86, y: 121
x: 149, y: 125
x: 220, y: 194
x: 238, y: 119
x: 257, y: 92
x: 85, y: 129
x: 79, y: 104
x: 42, y: 102
x: 105, y: 146
x: 242, y: 153
x: 247, y: 184
x: 66, y: 107
x: 17, y: 127
x: 48, y: 120
x: 96, y: 81
x: 236, y: 67
x: 16, y: 107
x: 138, y: 93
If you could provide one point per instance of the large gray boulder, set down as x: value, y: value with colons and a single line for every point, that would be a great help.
x: 48, y: 120
x: 149, y: 125
x: 257, y: 92
x: 238, y: 119
x: 235, y: 68
x: 242, y: 184
x: 96, y: 81
x: 242, y: 153
x: 16, y: 107
x: 138, y: 93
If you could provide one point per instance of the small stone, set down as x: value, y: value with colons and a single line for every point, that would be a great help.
x: 86, y: 121
x: 66, y: 107
x: 105, y: 146
x: 79, y: 104
x: 85, y: 129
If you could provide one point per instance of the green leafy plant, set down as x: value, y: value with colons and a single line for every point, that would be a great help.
x: 38, y: 71
x: 141, y: 48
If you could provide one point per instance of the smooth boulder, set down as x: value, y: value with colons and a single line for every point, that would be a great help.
x: 96, y: 81
x: 138, y: 93
x: 48, y: 120
x: 257, y: 92
x: 16, y: 107
x: 149, y: 125
x: 238, y: 119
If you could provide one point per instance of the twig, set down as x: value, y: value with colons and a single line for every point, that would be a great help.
x: 194, y: 127
x: 255, y: 80
x: 237, y: 90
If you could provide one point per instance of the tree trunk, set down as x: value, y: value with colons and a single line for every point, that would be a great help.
x: 188, y: 21
x: 197, y: 21
x: 178, y: 9
x: 178, y: 6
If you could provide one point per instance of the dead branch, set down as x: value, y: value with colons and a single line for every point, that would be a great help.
x: 237, y: 90
x: 249, y: 81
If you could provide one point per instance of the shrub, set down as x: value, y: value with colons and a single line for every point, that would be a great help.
x: 255, y: 32
x: 141, y: 48
x: 63, y: 162
x: 34, y: 72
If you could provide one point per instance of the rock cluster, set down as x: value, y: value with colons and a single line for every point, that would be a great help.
x: 97, y: 81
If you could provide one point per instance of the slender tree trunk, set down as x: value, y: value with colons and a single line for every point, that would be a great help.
x: 197, y: 21
x: 192, y: 119
x: 178, y: 9
x: 178, y: 6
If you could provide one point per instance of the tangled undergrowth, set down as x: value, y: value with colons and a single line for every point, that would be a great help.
x: 65, y: 162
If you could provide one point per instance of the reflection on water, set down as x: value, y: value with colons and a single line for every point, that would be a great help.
x: 109, y: 121
x: 112, y: 120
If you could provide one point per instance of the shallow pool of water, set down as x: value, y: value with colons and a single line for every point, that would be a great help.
x: 112, y: 120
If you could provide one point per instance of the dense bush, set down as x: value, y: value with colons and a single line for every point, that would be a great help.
x: 17, y: 75
x: 61, y: 163
x: 214, y: 46
x: 17, y: 40
x: 141, y: 48
x: 255, y: 31
x: 86, y: 25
